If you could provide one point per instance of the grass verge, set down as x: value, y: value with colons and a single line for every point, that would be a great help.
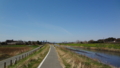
x: 33, y: 60
x: 73, y: 60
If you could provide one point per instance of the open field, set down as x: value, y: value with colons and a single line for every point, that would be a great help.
x: 73, y: 60
x: 32, y: 46
x: 97, y: 46
x: 12, y: 50
x: 33, y: 60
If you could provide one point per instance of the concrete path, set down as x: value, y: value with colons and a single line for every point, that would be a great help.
x: 51, y: 60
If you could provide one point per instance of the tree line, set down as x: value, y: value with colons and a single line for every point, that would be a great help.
x: 106, y: 40
x: 20, y: 42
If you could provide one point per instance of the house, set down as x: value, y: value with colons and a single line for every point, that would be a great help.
x: 12, y: 42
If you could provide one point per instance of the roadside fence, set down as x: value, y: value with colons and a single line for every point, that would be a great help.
x: 13, y: 60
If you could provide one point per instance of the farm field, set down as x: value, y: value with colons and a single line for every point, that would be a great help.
x: 97, y: 46
x: 7, y: 51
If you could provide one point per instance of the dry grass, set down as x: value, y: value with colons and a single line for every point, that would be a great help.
x: 73, y: 60
x: 33, y: 60
x: 6, y: 52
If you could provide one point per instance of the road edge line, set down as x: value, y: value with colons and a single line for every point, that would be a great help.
x: 44, y: 58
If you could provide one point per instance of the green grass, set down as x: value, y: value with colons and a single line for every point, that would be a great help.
x: 103, y: 45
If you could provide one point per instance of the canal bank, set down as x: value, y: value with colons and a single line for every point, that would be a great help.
x: 106, y: 57
x: 73, y: 60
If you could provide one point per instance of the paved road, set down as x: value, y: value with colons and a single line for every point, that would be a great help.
x: 52, y: 59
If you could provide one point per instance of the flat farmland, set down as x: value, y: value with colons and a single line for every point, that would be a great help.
x: 7, y: 51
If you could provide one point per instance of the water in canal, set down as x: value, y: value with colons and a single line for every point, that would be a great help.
x: 105, y: 57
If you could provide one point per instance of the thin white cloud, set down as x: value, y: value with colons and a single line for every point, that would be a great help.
x: 54, y: 27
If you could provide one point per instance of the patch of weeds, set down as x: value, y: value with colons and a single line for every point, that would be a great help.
x: 66, y: 64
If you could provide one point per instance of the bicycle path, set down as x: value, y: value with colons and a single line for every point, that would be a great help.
x: 51, y: 60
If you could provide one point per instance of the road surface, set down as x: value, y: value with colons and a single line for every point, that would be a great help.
x: 51, y: 60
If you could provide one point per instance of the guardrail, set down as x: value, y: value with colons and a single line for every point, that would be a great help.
x: 13, y: 60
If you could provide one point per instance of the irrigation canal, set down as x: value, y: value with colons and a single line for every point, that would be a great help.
x: 110, y: 58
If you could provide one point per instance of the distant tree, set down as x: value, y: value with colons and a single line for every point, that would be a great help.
x: 39, y: 43
x: 77, y: 41
x: 8, y: 41
x: 110, y: 39
x: 29, y: 42
x: 91, y: 41
x: 118, y: 40
x: 33, y: 43
x: 26, y: 43
x: 3, y: 43
x: 85, y: 42
x: 100, y: 41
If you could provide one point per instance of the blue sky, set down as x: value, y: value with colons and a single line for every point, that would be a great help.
x: 59, y: 20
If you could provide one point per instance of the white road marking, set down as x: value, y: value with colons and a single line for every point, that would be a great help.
x: 44, y: 58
